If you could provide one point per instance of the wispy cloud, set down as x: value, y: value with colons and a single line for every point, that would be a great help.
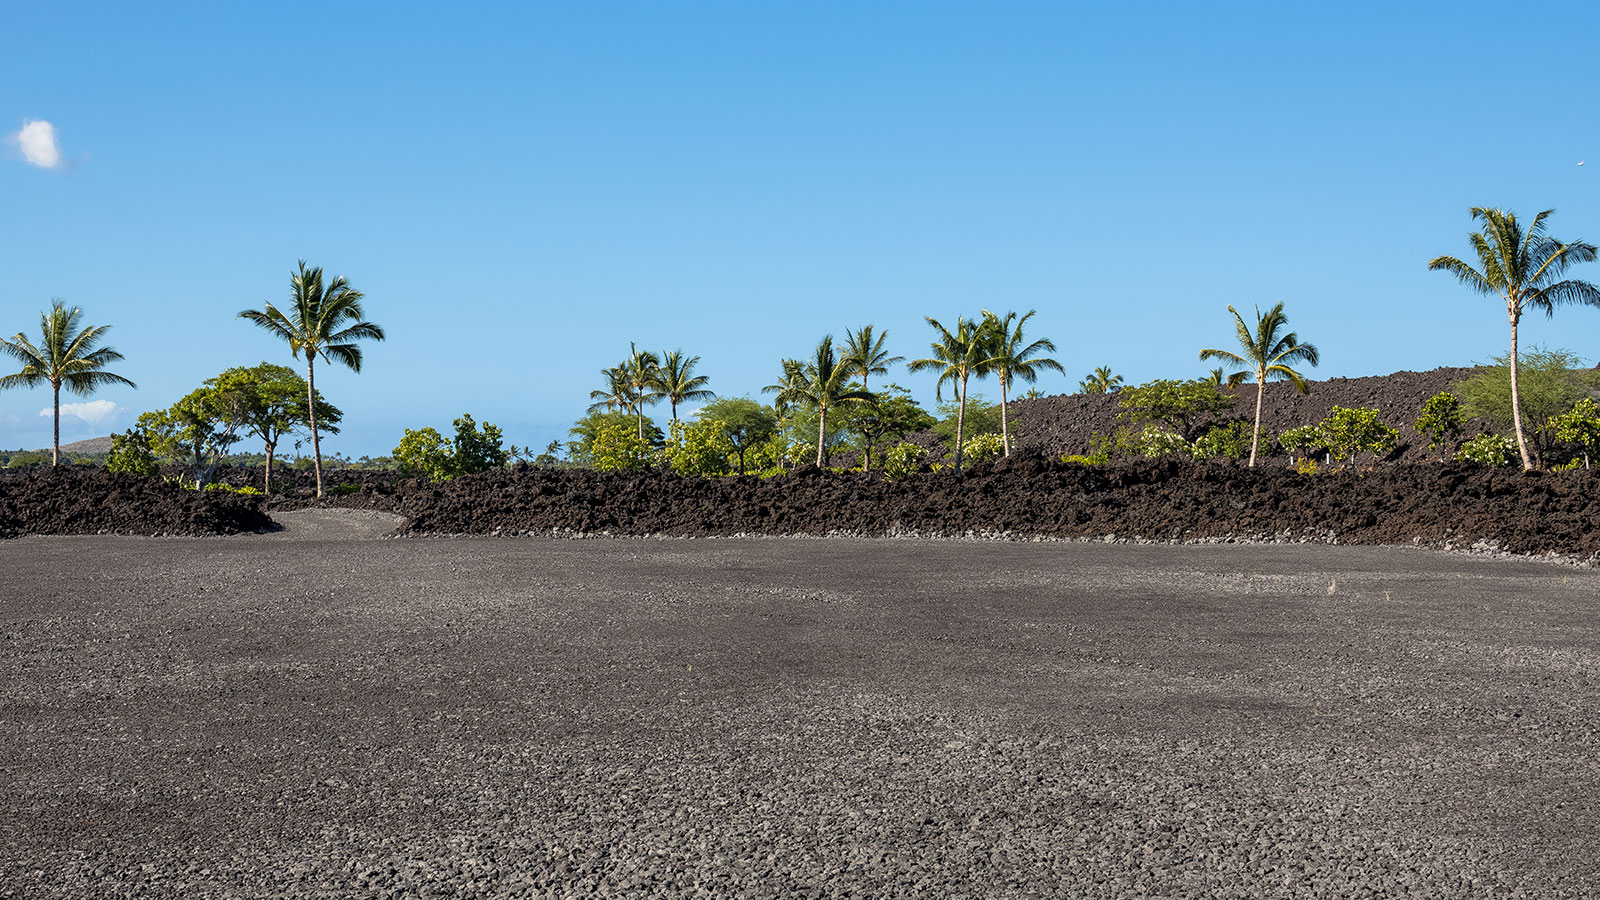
x: 88, y: 411
x: 38, y: 143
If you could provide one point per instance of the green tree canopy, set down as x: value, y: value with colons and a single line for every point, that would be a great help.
x: 742, y: 422
x: 1549, y: 383
x: 1176, y: 404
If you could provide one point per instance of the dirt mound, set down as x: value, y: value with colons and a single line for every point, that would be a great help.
x: 73, y: 500
x: 1066, y: 423
x: 1437, y: 505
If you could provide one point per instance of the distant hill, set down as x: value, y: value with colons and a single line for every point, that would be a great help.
x: 90, y: 447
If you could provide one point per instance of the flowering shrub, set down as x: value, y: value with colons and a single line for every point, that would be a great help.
x: 1489, y: 450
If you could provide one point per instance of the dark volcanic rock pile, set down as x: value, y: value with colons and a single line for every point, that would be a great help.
x: 1438, y: 505
x: 72, y: 500
x: 1065, y: 424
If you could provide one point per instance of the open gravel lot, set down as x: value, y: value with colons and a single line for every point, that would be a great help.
x: 319, y: 713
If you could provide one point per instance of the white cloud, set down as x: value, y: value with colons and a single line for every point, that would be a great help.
x: 37, y: 141
x: 88, y: 411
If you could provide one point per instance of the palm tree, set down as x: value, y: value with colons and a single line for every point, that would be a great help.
x: 1219, y: 378
x: 66, y: 357
x: 1522, y: 267
x: 1101, y: 381
x: 957, y: 356
x: 1268, y: 357
x: 325, y: 320
x: 823, y: 383
x: 678, y: 383
x: 793, y: 380
x: 617, y: 394
x: 1010, y: 358
x: 864, y: 354
x: 643, y: 372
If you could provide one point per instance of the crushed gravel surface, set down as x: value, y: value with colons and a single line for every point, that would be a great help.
x: 312, y: 713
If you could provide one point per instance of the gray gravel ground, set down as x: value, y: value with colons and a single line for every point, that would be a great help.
x: 315, y: 713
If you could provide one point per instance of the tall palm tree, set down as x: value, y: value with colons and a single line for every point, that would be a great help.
x: 864, y: 354
x: 678, y: 383
x: 65, y: 357
x: 793, y: 381
x: 1267, y: 356
x: 617, y: 394
x: 1101, y: 381
x: 1523, y: 268
x: 324, y: 320
x: 823, y: 383
x: 1012, y: 359
x: 643, y: 371
x: 957, y: 356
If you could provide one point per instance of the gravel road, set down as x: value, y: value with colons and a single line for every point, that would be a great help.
x: 321, y: 713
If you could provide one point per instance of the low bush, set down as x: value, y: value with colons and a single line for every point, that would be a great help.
x: 1489, y: 450
x: 902, y: 460
x: 981, y: 448
x: 131, y: 454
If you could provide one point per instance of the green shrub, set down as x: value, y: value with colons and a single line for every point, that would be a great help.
x: 247, y: 491
x: 1351, y: 432
x: 981, y: 448
x: 1579, y: 429
x: 1230, y: 439
x: 698, y: 448
x: 1155, y: 442
x: 1301, y: 441
x: 1489, y: 450
x: 902, y: 460
x: 1440, y: 421
x: 619, y: 448
x: 423, y: 453
x: 341, y: 490
x: 130, y: 454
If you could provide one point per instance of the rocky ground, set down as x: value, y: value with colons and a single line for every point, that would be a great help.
x: 315, y: 713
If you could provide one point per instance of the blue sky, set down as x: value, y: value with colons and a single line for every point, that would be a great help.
x: 523, y: 189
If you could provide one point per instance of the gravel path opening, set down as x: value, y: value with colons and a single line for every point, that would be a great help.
x: 332, y: 716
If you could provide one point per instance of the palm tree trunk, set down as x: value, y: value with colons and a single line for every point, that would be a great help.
x: 822, y: 429
x: 271, y: 446
x: 1516, y: 400
x: 311, y: 407
x: 1255, y: 436
x: 961, y: 417
x: 55, y: 452
x: 1005, y: 427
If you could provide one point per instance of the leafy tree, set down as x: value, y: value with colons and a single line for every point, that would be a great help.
x: 66, y: 356
x: 957, y: 356
x: 201, y: 427
x: 697, y: 448
x: 587, y: 430
x: 324, y: 320
x: 130, y: 454
x: 1267, y: 356
x: 865, y: 355
x: 979, y: 417
x: 1349, y: 432
x: 476, y: 449
x: 1579, y: 428
x: 1100, y: 381
x: 678, y: 383
x: 620, y: 448
x: 743, y: 423
x: 1177, y: 404
x: 1549, y: 382
x: 891, y: 414
x: 825, y: 385
x: 1012, y: 359
x: 423, y: 453
x: 1440, y: 421
x: 272, y: 402
x: 1525, y: 269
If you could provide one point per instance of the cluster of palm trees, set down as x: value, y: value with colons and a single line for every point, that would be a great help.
x: 975, y: 348
x: 645, y: 379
